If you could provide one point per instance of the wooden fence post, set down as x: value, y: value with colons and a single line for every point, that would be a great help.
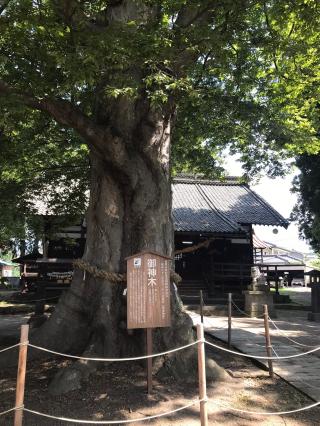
x: 201, y: 306
x: 202, y: 376
x: 268, y: 340
x: 229, y: 318
x: 21, y: 375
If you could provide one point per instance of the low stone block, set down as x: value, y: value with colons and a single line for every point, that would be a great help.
x: 254, y: 301
x: 313, y: 316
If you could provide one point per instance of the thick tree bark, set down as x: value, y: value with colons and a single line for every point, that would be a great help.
x: 129, y: 211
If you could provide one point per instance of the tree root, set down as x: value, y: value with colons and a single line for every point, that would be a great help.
x: 69, y: 330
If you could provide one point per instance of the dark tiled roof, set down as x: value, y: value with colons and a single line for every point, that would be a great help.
x: 214, y: 206
x: 278, y: 259
x: 192, y: 212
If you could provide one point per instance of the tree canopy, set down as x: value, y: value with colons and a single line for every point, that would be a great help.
x: 243, y: 74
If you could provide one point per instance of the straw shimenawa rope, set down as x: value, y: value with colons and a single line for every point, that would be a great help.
x: 175, y: 277
x: 99, y: 273
x: 195, y: 247
x: 112, y: 276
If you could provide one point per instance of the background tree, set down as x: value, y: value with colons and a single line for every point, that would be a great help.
x: 129, y: 79
x: 43, y: 168
x: 307, y: 210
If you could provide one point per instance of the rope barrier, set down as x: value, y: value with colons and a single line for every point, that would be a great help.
x: 10, y: 410
x: 244, y: 313
x: 262, y: 357
x: 108, y: 422
x: 193, y: 402
x: 289, y: 338
x: 159, y: 353
x: 146, y: 418
x: 9, y: 347
x: 115, y: 359
x: 188, y: 296
x: 274, y: 351
x: 274, y: 413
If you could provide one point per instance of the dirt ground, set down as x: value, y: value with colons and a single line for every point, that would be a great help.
x: 119, y: 392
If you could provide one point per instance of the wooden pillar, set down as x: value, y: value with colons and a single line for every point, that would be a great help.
x: 268, y: 340
x: 21, y: 375
x: 268, y: 276
x: 251, y: 245
x: 229, y: 318
x: 241, y: 278
x: 202, y: 376
x: 277, y: 279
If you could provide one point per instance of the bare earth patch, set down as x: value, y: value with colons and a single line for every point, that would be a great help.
x: 119, y: 392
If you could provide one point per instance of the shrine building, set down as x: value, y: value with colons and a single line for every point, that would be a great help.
x: 214, y: 239
x: 220, y: 215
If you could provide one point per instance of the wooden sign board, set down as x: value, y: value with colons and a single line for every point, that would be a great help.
x: 148, y: 290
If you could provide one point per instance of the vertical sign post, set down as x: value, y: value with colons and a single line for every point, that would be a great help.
x: 148, y: 296
x: 149, y: 360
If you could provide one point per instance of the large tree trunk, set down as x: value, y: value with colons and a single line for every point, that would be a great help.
x: 130, y: 197
x: 129, y: 211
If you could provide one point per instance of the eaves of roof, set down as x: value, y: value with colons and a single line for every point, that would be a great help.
x: 282, y: 222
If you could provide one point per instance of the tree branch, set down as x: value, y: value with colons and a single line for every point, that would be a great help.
x: 191, y: 14
x: 3, y: 5
x: 69, y: 115
x: 64, y: 112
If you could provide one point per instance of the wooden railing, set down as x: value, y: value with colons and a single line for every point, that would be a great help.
x: 226, y: 277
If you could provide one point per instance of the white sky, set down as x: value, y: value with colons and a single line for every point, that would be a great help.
x: 277, y: 193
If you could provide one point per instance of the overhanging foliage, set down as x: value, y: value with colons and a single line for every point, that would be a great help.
x: 243, y: 74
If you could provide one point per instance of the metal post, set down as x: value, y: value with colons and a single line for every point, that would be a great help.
x: 202, y: 376
x: 149, y: 360
x: 268, y: 340
x: 21, y: 375
x: 201, y: 306
x: 229, y: 318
